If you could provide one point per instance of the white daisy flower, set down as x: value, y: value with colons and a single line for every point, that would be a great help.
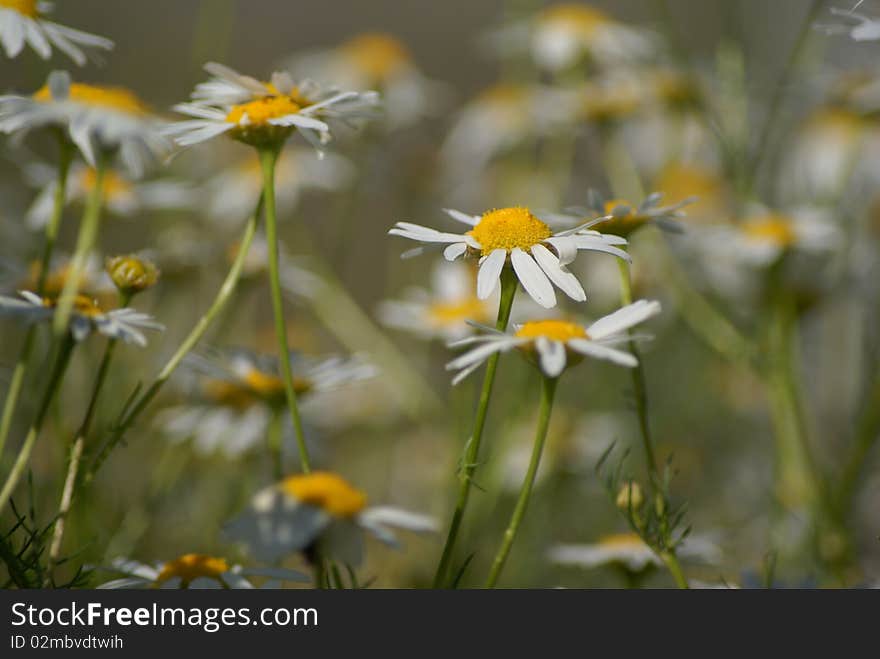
x: 377, y: 61
x: 86, y: 317
x: 196, y: 571
x: 858, y: 27
x: 262, y: 113
x: 555, y: 344
x: 24, y: 22
x: 620, y: 217
x: 240, y: 393
x: 94, y: 281
x: 516, y: 237
x: 319, y: 510
x: 629, y: 550
x: 122, y: 196
x: 560, y: 36
x: 96, y: 119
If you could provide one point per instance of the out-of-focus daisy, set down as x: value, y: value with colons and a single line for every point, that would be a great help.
x: 24, y: 22
x: 241, y: 391
x: 556, y: 344
x: 610, y: 99
x: 232, y: 194
x: 517, y: 237
x: 710, y: 198
x: 122, y: 196
x: 86, y: 317
x: 93, y: 280
x: 857, y: 27
x: 623, y: 218
x: 765, y: 235
x: 96, y: 118
x: 322, y: 511
x: 560, y: 36
x: 373, y: 60
x: 196, y: 571
x: 444, y: 310
x: 630, y: 551
x: 265, y: 113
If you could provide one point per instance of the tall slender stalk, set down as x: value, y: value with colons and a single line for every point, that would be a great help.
x: 268, y: 158
x: 548, y: 390
x: 16, y: 382
x: 273, y: 441
x: 223, y: 296
x: 472, y: 449
x: 62, y: 359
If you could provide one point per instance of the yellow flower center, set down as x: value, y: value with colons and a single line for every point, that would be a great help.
x: 509, y: 228
x: 622, y: 224
x: 679, y: 181
x: 327, y: 491
x: 255, y: 386
x: 622, y: 541
x: 114, y: 185
x: 83, y: 305
x: 454, y: 313
x: 773, y: 228
x: 115, y: 98
x: 556, y: 330
x: 379, y: 56
x: 838, y: 124
x: 579, y: 18
x: 190, y: 567
x: 55, y: 280
x: 260, y: 111
x: 24, y: 7
x: 603, y: 103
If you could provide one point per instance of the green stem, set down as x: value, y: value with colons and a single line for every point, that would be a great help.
x: 223, y: 296
x: 85, y: 243
x: 548, y: 389
x: 61, y: 361
x: 268, y: 158
x: 866, y: 435
x: 18, y: 374
x: 472, y: 449
x: 674, y: 567
x: 273, y: 439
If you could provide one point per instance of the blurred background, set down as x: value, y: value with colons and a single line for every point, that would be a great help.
x: 749, y: 106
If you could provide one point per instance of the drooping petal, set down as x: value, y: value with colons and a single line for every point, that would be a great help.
x: 489, y: 273
x: 532, y: 278
x: 558, y: 274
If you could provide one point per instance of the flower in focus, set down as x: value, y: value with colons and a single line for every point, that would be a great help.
x: 630, y: 551
x: 517, y: 237
x: 240, y: 391
x: 265, y: 113
x: 96, y: 118
x: 561, y: 35
x: 319, y: 510
x: 24, y: 22
x: 196, y: 571
x: 86, y: 317
x: 122, y: 196
x: 622, y: 218
x: 556, y: 344
x: 373, y: 60
x: 444, y: 310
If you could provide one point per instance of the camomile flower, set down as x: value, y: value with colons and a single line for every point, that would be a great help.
x: 630, y: 551
x: 517, y: 237
x: 240, y: 391
x: 86, y: 317
x: 232, y: 194
x: 857, y: 27
x: 93, y: 282
x: 96, y: 118
x: 122, y: 196
x: 557, y: 344
x: 196, y: 571
x: 319, y: 510
x: 373, y: 60
x: 24, y: 22
x: 444, y: 310
x: 765, y: 235
x: 701, y: 184
x: 560, y: 36
x: 623, y: 218
x: 265, y: 113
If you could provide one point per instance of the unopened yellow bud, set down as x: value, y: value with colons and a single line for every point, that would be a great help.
x: 630, y: 496
x: 131, y: 274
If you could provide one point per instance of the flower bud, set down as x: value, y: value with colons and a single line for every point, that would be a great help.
x: 630, y: 496
x: 131, y: 274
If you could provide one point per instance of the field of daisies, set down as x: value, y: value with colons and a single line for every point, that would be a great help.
x: 590, y: 302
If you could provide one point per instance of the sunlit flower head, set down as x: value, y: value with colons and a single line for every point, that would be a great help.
x: 239, y: 391
x: 319, y: 510
x: 86, y: 317
x: 96, y: 118
x: 122, y: 196
x: 517, y: 238
x: 560, y: 36
x: 195, y: 571
x: 630, y: 551
x: 556, y: 344
x: 623, y: 218
x: 265, y: 113
x: 25, y: 22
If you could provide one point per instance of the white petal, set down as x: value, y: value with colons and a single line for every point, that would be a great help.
x: 623, y: 319
x: 454, y: 250
x: 551, y: 355
x: 598, y: 351
x: 489, y: 273
x: 533, y: 279
x: 558, y: 274
x: 470, y: 220
x: 399, y: 518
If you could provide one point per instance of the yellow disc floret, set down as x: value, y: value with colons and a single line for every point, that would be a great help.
x: 24, y: 7
x: 327, y: 491
x: 452, y: 313
x: 622, y: 541
x: 114, y: 98
x: 509, y: 228
x: 190, y: 567
x: 262, y: 110
x: 577, y: 18
x: 379, y: 56
x: 556, y: 330
x: 624, y: 221
x: 774, y: 228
